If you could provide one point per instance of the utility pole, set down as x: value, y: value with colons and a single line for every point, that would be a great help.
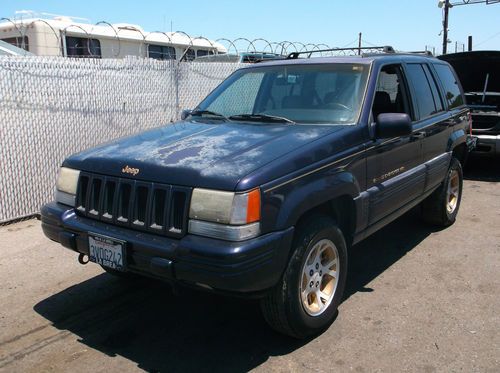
x: 359, y: 44
x: 469, y: 43
x: 445, y: 25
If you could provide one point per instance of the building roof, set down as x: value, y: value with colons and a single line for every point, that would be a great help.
x: 122, y: 31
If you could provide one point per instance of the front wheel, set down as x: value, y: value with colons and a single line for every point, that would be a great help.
x: 441, y: 207
x: 305, y: 301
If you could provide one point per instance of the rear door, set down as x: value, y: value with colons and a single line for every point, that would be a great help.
x: 433, y: 122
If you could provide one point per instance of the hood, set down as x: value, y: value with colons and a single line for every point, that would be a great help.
x: 472, y: 68
x: 210, y: 155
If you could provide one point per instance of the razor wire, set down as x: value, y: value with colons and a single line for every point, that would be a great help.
x: 53, y: 39
x: 52, y: 107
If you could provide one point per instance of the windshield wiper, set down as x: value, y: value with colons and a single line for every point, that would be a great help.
x: 261, y: 118
x: 199, y: 113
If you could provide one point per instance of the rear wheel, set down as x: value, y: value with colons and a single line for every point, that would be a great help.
x: 441, y: 207
x: 305, y: 301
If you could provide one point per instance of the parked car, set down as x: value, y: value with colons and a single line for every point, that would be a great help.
x: 263, y: 188
x: 479, y: 73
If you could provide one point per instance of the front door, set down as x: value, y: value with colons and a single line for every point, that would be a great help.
x: 395, y: 173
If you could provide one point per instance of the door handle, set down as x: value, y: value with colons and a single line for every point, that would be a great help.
x: 417, y: 135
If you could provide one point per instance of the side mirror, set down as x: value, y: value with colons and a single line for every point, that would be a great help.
x: 393, y: 125
x: 185, y: 113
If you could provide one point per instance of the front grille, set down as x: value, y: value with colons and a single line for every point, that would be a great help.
x: 144, y: 206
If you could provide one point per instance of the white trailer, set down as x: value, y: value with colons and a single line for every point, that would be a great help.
x: 62, y: 36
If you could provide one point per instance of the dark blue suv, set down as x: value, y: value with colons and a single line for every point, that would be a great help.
x: 263, y: 188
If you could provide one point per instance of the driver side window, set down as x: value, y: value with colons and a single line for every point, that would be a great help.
x: 390, y: 95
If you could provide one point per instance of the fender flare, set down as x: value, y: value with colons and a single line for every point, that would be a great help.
x: 313, y: 192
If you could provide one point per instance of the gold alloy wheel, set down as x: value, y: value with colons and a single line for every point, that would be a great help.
x: 452, y: 192
x: 319, y: 277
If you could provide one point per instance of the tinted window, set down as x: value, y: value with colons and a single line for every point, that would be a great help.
x: 435, y: 91
x: 423, y: 91
x: 82, y: 47
x: 450, y: 84
x: 161, y: 52
x: 20, y: 42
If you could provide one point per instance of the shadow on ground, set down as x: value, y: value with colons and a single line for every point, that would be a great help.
x: 143, y: 322
x: 483, y: 169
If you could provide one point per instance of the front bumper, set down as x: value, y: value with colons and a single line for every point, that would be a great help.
x: 246, y: 267
x: 487, y: 145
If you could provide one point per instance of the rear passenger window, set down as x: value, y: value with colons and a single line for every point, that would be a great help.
x: 435, y: 91
x: 423, y: 91
x: 450, y: 84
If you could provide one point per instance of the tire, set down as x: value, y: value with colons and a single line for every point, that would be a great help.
x: 283, y: 308
x: 441, y: 207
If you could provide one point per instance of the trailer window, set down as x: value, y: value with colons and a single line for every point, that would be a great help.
x: 190, y: 55
x: 161, y: 52
x: 20, y: 42
x: 203, y: 52
x: 83, y: 47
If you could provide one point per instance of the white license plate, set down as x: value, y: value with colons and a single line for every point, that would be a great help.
x: 107, y: 252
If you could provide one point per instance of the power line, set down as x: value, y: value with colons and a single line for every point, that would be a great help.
x: 470, y: 2
x: 349, y: 44
x: 488, y: 39
x: 367, y: 42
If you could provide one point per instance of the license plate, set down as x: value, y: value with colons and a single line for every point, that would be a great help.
x: 107, y: 252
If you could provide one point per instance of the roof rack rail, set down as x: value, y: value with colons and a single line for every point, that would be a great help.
x: 425, y: 53
x: 355, y: 50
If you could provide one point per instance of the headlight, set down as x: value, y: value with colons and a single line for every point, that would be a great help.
x: 225, y: 215
x: 67, y: 182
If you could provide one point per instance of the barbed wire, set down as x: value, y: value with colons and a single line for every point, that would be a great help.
x: 236, y: 46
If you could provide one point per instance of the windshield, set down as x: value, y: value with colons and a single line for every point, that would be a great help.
x: 304, y: 94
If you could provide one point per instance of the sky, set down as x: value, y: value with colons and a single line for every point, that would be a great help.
x: 405, y: 24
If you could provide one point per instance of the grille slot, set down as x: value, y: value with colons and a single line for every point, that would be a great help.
x: 152, y: 207
x: 95, y: 194
x: 108, y: 210
x: 178, y: 212
x: 158, y: 209
x: 83, y: 186
x: 124, y: 197
x: 141, y: 205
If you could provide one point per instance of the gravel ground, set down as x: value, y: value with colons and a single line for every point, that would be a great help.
x: 418, y: 299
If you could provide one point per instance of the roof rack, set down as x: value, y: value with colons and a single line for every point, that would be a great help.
x: 425, y: 53
x: 342, y: 51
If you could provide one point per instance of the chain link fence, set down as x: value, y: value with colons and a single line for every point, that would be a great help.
x: 51, y: 107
